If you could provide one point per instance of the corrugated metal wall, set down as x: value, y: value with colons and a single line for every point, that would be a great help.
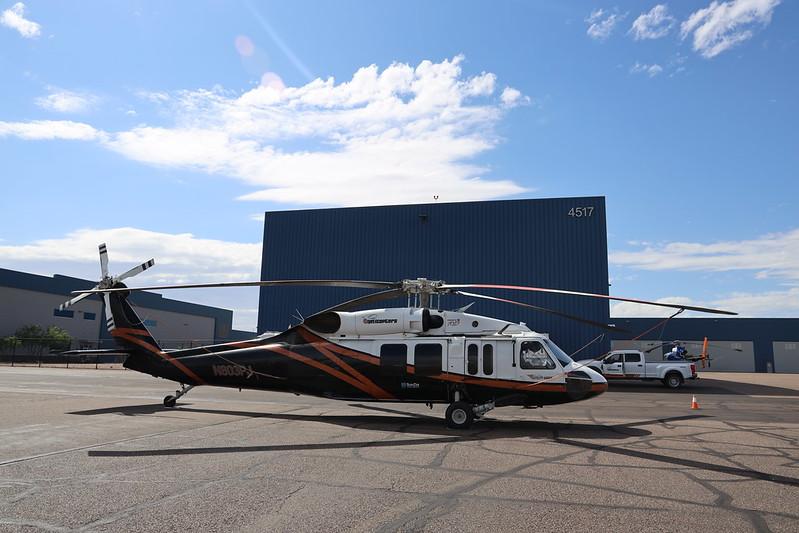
x: 754, y: 336
x: 520, y: 242
x: 220, y: 320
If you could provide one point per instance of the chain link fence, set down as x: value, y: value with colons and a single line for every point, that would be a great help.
x: 39, y: 352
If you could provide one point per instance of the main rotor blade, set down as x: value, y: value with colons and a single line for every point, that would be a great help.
x: 369, y: 298
x: 136, y: 270
x: 544, y: 309
x: 661, y: 345
x: 74, y: 300
x: 589, y: 294
x: 103, y: 260
x: 276, y: 283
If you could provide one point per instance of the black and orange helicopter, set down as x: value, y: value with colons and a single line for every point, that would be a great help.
x: 416, y: 353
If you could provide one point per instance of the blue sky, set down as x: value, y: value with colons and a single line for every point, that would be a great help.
x: 165, y: 129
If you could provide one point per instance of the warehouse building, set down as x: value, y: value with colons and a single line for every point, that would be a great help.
x: 31, y: 299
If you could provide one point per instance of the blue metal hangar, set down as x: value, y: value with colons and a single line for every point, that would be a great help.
x: 557, y: 243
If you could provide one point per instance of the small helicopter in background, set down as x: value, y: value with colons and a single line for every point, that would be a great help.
x: 680, y: 351
x: 417, y: 353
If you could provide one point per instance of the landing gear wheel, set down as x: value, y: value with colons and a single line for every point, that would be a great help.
x: 169, y: 401
x: 459, y: 415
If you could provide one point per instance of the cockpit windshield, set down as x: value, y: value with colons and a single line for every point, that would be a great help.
x: 559, y: 354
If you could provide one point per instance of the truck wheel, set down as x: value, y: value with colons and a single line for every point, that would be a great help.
x: 673, y: 380
x: 459, y: 415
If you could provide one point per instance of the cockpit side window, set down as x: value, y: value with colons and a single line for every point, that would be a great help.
x: 533, y: 356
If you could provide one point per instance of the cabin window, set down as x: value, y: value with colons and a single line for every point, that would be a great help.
x: 615, y: 358
x: 427, y: 359
x: 533, y: 356
x: 488, y: 359
x: 393, y: 358
x: 471, y: 359
x: 632, y: 358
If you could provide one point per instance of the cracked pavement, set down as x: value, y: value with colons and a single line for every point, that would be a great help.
x: 94, y: 450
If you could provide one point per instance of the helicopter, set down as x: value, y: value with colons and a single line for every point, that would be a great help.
x: 680, y: 351
x: 417, y: 353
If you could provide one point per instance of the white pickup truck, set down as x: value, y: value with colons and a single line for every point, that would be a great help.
x: 632, y: 364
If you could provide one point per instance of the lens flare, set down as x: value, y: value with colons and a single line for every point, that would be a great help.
x: 244, y: 46
x: 273, y: 81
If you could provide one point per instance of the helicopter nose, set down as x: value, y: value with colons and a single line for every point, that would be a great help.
x: 598, y: 382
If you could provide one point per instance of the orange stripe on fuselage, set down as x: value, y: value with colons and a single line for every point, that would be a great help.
x: 120, y: 332
x: 375, y: 391
x: 312, y: 362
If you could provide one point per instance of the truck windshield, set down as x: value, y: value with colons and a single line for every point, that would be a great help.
x: 559, y: 354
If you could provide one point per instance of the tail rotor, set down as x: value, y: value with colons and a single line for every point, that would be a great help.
x: 107, y: 282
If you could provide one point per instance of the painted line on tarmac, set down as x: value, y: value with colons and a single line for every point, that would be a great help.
x: 130, y: 439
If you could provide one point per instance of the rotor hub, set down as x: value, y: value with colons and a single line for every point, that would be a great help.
x: 423, y: 286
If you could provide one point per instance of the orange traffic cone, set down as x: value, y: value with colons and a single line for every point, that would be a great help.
x: 694, y: 403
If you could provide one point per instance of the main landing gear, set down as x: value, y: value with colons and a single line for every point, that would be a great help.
x: 169, y: 401
x: 461, y: 415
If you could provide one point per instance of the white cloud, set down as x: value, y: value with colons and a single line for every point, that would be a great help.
x: 722, y: 25
x: 653, y: 25
x: 651, y: 70
x: 512, y: 97
x: 190, y: 258
x: 14, y: 18
x: 397, y: 136
x: 774, y: 304
x: 63, y: 101
x: 771, y: 256
x: 155, y: 97
x: 602, y: 23
x: 50, y: 129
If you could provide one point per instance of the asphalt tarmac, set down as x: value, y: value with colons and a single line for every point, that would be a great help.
x: 94, y: 450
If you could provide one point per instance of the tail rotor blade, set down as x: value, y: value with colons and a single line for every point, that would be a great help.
x: 136, y: 270
x: 544, y: 309
x: 109, y: 317
x: 103, y: 260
